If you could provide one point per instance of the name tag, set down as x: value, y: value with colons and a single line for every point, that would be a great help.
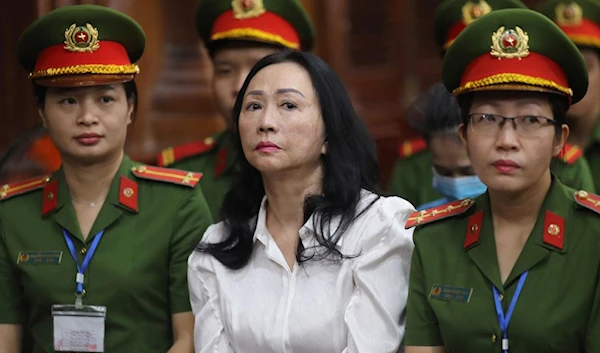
x: 78, y: 329
x: 450, y: 293
x: 39, y: 257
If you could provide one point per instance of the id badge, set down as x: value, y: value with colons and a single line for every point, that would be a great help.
x: 78, y: 328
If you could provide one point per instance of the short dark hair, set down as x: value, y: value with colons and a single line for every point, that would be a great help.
x: 349, y: 166
x: 130, y: 87
x: 435, y: 112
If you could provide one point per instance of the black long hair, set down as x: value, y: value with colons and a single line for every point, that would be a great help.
x: 349, y: 165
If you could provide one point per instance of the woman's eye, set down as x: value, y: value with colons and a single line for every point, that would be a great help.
x: 288, y: 106
x: 68, y: 101
x: 252, y: 106
x: 223, y: 71
x: 531, y: 120
x: 107, y: 99
x: 488, y: 117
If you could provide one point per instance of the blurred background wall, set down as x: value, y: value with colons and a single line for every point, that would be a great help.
x: 383, y: 50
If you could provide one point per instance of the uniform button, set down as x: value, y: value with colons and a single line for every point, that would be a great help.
x: 493, y: 338
x: 500, y: 296
x: 83, y: 251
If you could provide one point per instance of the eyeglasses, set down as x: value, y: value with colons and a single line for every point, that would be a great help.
x: 525, y: 126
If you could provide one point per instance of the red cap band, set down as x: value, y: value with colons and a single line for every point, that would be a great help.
x: 587, y: 33
x: 56, y: 56
x: 454, y: 32
x: 533, y: 70
x: 268, y: 27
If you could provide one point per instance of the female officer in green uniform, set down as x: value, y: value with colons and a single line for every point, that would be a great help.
x: 517, y: 269
x: 415, y: 162
x: 93, y: 257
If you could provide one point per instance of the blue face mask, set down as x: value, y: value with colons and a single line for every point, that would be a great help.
x: 458, y: 188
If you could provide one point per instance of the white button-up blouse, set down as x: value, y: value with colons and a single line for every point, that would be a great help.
x: 321, y: 306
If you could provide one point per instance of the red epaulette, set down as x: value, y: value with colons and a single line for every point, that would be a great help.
x: 175, y: 176
x: 21, y: 187
x: 440, y: 212
x: 588, y: 200
x: 410, y: 147
x: 173, y: 154
x: 571, y: 153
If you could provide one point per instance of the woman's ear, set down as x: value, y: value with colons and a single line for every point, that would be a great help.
x: 324, y: 147
x: 43, y: 117
x: 130, y: 109
x: 560, y: 140
x: 462, y: 133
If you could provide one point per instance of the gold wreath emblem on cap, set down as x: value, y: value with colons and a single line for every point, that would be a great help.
x: 472, y: 11
x: 247, y: 8
x: 81, y: 39
x: 510, y: 44
x: 569, y: 14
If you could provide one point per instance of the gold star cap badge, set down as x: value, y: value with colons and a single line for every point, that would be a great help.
x: 569, y: 14
x: 472, y: 11
x: 247, y: 8
x: 81, y: 39
x: 510, y: 44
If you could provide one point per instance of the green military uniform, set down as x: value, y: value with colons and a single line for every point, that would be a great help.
x: 138, y: 271
x: 412, y: 176
x: 558, y: 308
x: 214, y: 157
x: 592, y: 154
x: 282, y: 23
x: 148, y: 225
x: 455, y: 273
x: 575, y: 173
x: 580, y: 20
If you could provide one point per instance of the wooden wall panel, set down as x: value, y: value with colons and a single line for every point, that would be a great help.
x: 17, y: 102
x: 367, y: 46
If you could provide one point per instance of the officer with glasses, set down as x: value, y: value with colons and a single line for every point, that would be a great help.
x: 516, y: 269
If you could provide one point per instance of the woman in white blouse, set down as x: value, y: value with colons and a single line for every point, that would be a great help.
x: 308, y: 257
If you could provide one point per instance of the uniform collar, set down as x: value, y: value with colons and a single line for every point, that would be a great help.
x: 122, y: 195
x: 225, y: 158
x: 548, y: 235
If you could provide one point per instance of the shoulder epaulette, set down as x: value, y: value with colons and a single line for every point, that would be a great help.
x: 20, y: 187
x: 571, y: 153
x: 588, y: 200
x: 175, y: 176
x: 173, y: 154
x: 410, y: 147
x: 439, y: 212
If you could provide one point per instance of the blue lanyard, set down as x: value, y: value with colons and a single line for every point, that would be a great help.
x: 86, y: 261
x: 505, y: 320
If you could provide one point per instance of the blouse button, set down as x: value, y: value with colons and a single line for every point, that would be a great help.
x: 83, y: 251
x: 493, y: 338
